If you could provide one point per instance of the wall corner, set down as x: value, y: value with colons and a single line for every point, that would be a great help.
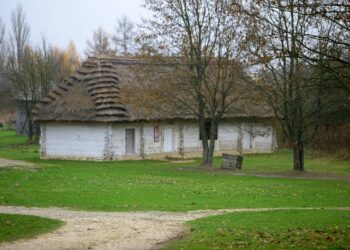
x: 42, y: 140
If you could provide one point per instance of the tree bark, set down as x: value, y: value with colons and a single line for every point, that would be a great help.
x: 213, y: 129
x: 205, y: 152
x: 204, y: 140
x: 30, y: 130
x: 298, y: 156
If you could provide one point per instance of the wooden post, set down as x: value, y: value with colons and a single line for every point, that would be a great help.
x: 181, y: 141
x: 274, y: 139
x: 142, y: 141
x: 43, y: 140
x: 240, y: 139
x: 108, y: 150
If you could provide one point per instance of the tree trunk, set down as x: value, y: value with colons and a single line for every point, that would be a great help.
x: 298, y: 156
x: 30, y: 130
x: 205, y: 146
x: 213, y: 129
x: 203, y: 135
x: 37, y: 130
x: 28, y: 110
x: 210, y: 155
x: 206, y: 156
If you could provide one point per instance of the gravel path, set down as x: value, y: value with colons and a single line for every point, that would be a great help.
x: 112, y: 230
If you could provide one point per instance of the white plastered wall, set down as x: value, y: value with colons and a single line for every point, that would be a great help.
x: 107, y: 141
x: 74, y: 140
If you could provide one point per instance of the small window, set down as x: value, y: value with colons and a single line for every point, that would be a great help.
x: 207, y: 131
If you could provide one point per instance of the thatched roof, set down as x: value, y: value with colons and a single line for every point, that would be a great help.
x: 93, y: 94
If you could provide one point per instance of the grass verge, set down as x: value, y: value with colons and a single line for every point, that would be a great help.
x: 15, y: 227
x: 289, y: 229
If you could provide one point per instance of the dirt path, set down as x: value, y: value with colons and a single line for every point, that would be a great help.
x: 112, y: 230
x: 283, y: 174
x: 6, y: 163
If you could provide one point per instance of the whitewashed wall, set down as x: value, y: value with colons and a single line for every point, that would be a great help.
x: 107, y: 141
x: 191, y: 137
x: 150, y: 146
x: 257, y: 138
x: 66, y: 140
x: 118, y: 149
x: 118, y: 141
x: 228, y: 136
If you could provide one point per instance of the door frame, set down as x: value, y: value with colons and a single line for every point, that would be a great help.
x: 134, y: 141
x: 172, y: 139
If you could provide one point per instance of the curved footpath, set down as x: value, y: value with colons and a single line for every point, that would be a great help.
x: 114, y: 230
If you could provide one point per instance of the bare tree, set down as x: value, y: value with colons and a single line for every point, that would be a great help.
x: 45, y: 67
x: 2, y: 62
x: 276, y: 34
x: 2, y: 45
x: 31, y: 71
x: 333, y: 32
x: 334, y: 25
x: 20, y: 66
x: 99, y: 45
x: 124, y: 37
x: 201, y: 34
x: 20, y: 33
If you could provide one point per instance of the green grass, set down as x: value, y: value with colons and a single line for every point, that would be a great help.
x: 317, y: 229
x: 9, y: 137
x: 158, y: 185
x: 281, y: 161
x: 164, y: 186
x: 14, y: 227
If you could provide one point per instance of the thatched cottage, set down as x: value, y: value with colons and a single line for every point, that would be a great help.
x: 84, y: 118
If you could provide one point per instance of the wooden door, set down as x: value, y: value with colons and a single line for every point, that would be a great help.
x: 168, y: 140
x: 130, y: 141
x: 247, y: 140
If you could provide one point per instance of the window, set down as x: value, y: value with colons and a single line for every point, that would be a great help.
x: 207, y: 131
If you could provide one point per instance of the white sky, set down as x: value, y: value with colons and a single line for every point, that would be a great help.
x: 64, y: 20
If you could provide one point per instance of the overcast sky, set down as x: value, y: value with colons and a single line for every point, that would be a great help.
x: 65, y: 20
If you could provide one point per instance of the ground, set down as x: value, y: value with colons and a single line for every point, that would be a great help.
x: 14, y: 227
x: 279, y: 229
x: 149, y: 230
x: 174, y: 190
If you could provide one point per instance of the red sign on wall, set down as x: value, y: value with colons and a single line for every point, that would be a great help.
x: 156, y: 133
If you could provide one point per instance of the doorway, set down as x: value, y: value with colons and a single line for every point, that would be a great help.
x: 130, y: 141
x: 168, y: 140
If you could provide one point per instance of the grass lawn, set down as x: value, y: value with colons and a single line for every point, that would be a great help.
x: 317, y: 229
x: 165, y: 186
x: 281, y: 162
x: 9, y: 137
x: 160, y: 185
x: 148, y: 185
x: 14, y: 227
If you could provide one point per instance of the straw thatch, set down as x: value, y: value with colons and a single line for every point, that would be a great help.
x: 93, y: 94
